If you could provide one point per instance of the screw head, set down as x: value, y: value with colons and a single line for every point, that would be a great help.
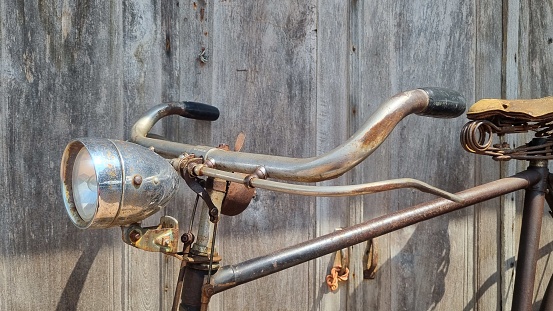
x: 134, y: 236
x: 187, y: 238
x: 137, y: 180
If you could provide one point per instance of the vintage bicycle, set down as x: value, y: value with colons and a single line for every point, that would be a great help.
x: 107, y: 183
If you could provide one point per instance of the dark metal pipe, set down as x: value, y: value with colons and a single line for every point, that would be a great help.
x: 532, y: 214
x: 233, y: 275
x: 547, y: 301
x: 191, y: 299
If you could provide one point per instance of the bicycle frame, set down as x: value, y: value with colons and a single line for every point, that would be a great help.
x: 533, y: 180
x: 331, y: 165
x: 252, y: 169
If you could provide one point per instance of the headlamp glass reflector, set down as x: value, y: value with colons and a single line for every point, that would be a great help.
x: 85, y: 185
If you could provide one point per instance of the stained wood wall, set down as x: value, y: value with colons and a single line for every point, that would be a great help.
x: 297, y: 77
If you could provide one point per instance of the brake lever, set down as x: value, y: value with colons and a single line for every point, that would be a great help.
x: 194, y: 184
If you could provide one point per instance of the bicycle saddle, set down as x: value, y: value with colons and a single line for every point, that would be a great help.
x: 524, y: 110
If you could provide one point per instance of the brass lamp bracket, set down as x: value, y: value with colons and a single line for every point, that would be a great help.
x: 161, y: 238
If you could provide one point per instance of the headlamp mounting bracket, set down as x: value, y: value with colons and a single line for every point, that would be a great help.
x: 163, y: 238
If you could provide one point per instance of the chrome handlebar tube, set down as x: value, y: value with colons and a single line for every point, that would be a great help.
x: 434, y: 102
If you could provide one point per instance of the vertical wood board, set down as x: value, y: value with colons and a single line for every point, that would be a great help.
x: 297, y: 78
x: 263, y: 69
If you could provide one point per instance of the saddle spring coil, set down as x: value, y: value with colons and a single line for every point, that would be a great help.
x: 477, y: 137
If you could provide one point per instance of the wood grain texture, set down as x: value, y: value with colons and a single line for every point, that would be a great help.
x: 55, y: 62
x: 535, y: 69
x: 487, y: 247
x: 403, y: 45
x: 331, y: 130
x: 509, y: 203
x: 263, y: 81
x: 297, y: 78
x: 142, y: 42
x: 370, y: 25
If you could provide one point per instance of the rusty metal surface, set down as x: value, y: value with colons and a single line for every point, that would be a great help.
x: 191, y: 295
x: 327, y: 166
x: 478, y: 137
x: 323, y: 191
x: 499, y: 117
x: 371, y: 260
x: 204, y: 238
x: 534, y: 200
x: 237, y: 196
x: 532, y: 110
x: 237, y: 199
x: 163, y: 238
x: 234, y: 275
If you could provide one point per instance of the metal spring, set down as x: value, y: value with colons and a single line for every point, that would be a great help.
x: 477, y: 137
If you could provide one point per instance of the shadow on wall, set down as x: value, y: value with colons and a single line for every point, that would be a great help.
x: 544, y: 251
x: 420, y: 268
x: 74, y: 286
x: 420, y: 277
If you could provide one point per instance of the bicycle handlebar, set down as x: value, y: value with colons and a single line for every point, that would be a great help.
x: 443, y: 103
x: 435, y: 102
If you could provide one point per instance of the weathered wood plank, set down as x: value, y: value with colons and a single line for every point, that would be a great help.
x: 357, y: 252
x: 263, y: 81
x: 142, y: 48
x: 185, y: 77
x: 170, y: 92
x: 331, y: 130
x: 535, y: 70
x: 306, y: 74
x: 56, y: 74
x: 403, y: 45
x: 4, y: 197
x: 370, y: 24
x: 510, y: 204
x: 487, y: 231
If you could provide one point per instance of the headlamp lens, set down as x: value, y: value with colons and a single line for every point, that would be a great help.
x: 85, y: 185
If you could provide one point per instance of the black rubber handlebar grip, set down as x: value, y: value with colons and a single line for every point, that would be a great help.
x: 443, y: 103
x: 199, y: 111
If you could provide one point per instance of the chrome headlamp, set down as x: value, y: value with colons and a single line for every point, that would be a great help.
x: 108, y: 183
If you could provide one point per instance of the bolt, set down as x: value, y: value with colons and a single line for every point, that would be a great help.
x: 134, y: 236
x: 137, y: 180
x: 261, y: 172
x: 214, y: 211
x: 187, y: 238
x: 208, y: 290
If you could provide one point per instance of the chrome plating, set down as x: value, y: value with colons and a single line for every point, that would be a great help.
x: 327, y: 166
x: 121, y: 201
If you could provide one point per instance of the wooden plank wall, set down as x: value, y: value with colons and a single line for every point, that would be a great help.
x: 535, y: 79
x: 297, y: 78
